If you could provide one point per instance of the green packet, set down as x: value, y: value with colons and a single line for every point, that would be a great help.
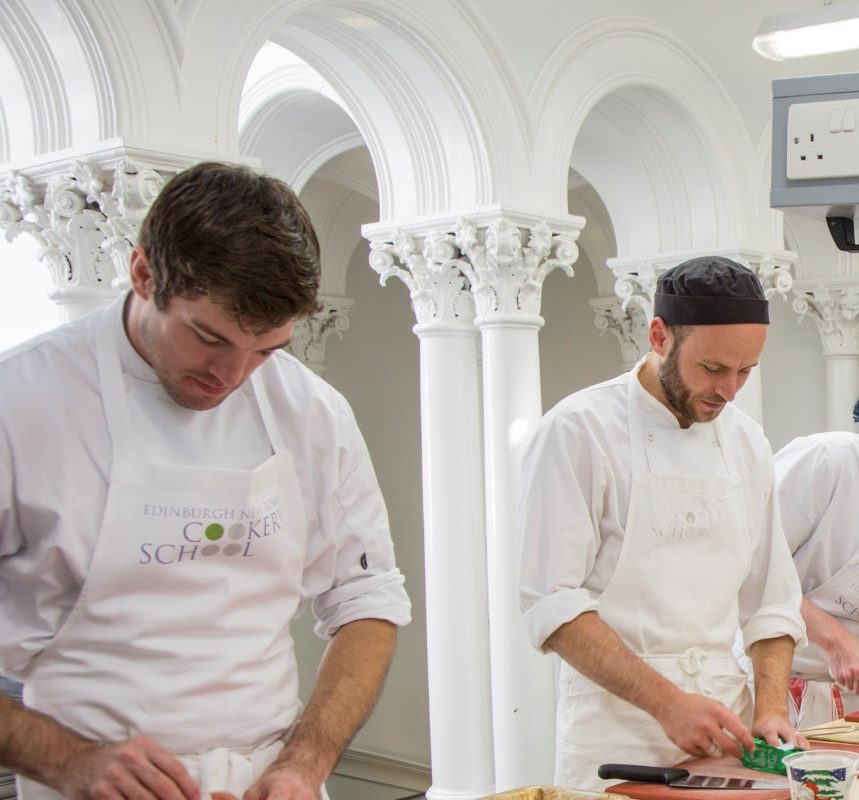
x: 768, y: 758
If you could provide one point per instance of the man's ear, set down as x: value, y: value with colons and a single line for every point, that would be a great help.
x: 659, y: 336
x: 142, y: 281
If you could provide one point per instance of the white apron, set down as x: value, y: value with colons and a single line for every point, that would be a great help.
x: 181, y: 630
x: 685, y: 554
x: 814, y: 697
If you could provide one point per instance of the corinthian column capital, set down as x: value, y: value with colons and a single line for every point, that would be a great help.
x: 773, y: 270
x: 636, y: 285
x: 431, y: 266
x: 507, y: 275
x: 486, y: 266
x: 85, y: 218
x: 835, y: 310
x: 311, y: 334
x: 628, y: 325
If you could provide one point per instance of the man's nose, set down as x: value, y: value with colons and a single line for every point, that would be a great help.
x: 231, y: 369
x: 727, y: 386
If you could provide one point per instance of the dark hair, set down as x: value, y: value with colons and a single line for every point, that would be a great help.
x: 240, y: 237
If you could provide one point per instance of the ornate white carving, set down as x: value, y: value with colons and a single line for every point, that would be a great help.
x: 507, y: 278
x: 628, y: 325
x: 432, y: 271
x: 86, y: 229
x: 311, y: 334
x: 772, y: 271
x: 450, y: 274
x: 134, y: 190
x: 636, y: 288
x: 836, y: 312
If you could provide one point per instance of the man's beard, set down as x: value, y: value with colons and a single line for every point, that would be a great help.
x: 678, y: 394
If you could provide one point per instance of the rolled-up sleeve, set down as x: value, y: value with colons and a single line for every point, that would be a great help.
x: 561, y: 500
x: 364, y: 581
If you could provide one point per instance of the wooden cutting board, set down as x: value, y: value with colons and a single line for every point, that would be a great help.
x: 839, y: 731
x: 654, y: 791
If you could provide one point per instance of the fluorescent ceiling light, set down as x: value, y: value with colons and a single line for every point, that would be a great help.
x: 830, y: 29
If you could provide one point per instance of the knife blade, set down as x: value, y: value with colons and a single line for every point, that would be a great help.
x: 675, y: 776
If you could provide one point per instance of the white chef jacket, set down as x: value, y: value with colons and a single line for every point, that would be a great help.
x: 56, y: 461
x: 575, y: 499
x: 818, y: 486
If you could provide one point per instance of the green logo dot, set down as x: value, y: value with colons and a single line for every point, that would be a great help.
x: 214, y: 532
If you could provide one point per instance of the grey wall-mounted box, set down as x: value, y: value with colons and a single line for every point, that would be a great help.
x: 815, y: 145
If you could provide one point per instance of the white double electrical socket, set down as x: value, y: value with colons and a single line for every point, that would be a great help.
x: 823, y: 140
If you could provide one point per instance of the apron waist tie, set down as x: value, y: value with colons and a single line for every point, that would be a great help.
x: 230, y: 769
x: 224, y: 770
x: 697, y: 665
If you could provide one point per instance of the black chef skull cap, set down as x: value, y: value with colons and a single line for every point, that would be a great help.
x: 710, y: 290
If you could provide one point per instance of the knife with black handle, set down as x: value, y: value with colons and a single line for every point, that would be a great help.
x: 675, y: 776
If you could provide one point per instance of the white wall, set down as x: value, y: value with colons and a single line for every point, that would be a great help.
x: 573, y: 353
x: 793, y: 377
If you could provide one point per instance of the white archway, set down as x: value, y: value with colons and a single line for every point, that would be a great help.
x: 654, y: 132
x: 55, y: 92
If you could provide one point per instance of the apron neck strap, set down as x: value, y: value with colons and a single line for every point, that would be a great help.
x: 266, y: 412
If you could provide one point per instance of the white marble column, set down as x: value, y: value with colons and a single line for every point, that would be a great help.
x: 509, y: 257
x: 454, y: 535
x: 636, y: 281
x: 312, y: 333
x: 835, y: 309
x: 86, y: 219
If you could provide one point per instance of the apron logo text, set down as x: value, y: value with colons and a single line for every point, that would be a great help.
x: 849, y: 608
x: 197, y: 539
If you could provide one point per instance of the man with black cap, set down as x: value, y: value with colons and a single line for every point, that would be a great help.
x: 652, y: 534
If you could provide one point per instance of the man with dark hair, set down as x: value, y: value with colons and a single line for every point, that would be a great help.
x: 174, y: 488
x: 651, y: 534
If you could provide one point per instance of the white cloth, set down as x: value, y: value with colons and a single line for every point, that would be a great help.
x: 54, y: 476
x: 818, y: 486
x: 576, y: 503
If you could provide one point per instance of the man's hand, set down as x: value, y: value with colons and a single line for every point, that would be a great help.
x: 285, y: 782
x: 776, y: 729
x: 40, y: 748
x: 703, y: 727
x: 839, y: 644
x: 138, y: 768
x: 842, y: 654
